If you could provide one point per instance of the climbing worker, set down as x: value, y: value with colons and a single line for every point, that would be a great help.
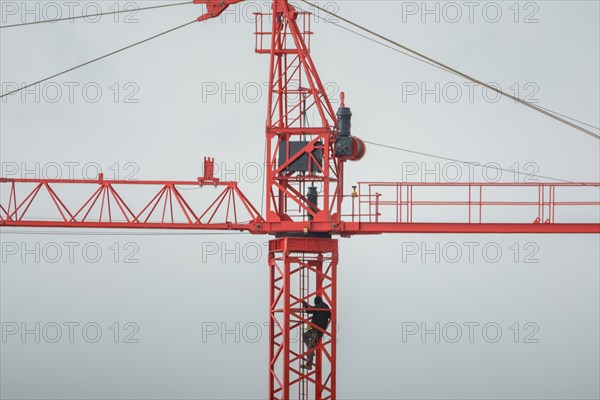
x: 320, y: 317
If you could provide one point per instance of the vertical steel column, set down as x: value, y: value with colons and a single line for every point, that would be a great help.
x: 295, y: 88
x: 290, y: 260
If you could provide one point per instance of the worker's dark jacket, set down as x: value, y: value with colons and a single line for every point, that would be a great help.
x: 319, y: 318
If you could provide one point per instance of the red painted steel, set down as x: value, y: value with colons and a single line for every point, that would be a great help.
x: 214, y: 8
x: 101, y: 204
x: 300, y: 268
x: 504, y: 204
x: 295, y: 88
x: 401, y: 209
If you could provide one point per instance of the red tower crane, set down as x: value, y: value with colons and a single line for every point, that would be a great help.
x: 304, y: 191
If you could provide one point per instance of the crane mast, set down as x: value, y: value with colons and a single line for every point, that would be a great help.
x: 304, y: 177
x: 303, y: 182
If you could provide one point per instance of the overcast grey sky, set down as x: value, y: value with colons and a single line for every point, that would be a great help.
x: 201, y: 91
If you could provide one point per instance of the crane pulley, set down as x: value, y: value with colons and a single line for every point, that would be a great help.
x: 214, y: 8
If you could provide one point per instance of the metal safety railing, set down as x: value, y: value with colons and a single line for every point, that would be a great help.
x: 263, y: 31
x: 471, y: 202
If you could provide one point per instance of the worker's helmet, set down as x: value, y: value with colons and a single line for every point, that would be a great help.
x: 318, y: 300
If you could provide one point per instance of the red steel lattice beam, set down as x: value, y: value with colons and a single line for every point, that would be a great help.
x: 544, y: 208
x: 300, y: 269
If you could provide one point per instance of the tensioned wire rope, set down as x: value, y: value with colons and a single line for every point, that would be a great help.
x: 454, y: 71
x: 72, y: 18
x: 415, y: 54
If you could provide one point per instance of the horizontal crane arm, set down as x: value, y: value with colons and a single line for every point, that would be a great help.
x: 500, y: 228
x: 474, y: 207
x: 104, y: 203
x: 380, y: 207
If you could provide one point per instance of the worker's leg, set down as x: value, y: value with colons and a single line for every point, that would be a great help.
x: 306, y: 338
x: 314, y: 339
x: 310, y: 341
